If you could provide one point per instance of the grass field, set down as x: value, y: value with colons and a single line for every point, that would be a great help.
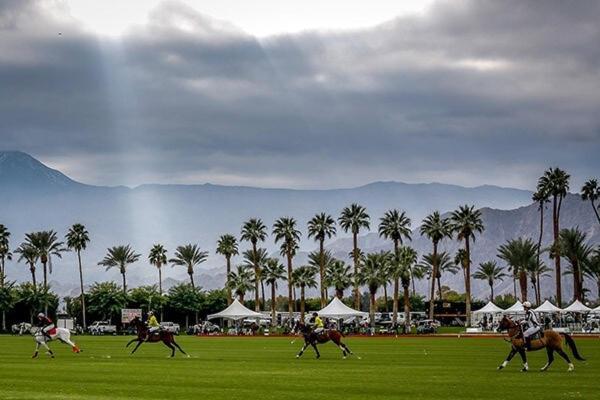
x: 266, y: 368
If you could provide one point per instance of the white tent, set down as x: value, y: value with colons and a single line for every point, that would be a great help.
x: 578, y: 307
x: 337, y: 309
x: 489, y: 308
x: 516, y: 308
x: 596, y: 310
x: 547, y: 307
x: 237, y: 311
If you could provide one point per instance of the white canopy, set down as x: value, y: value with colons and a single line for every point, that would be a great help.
x: 516, y: 308
x: 489, y: 308
x: 547, y: 307
x: 237, y: 311
x: 596, y: 310
x: 337, y: 309
x: 577, y: 306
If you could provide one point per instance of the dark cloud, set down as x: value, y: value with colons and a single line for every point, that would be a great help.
x: 470, y: 93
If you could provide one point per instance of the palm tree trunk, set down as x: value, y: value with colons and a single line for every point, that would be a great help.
x: 576, y: 281
x: 491, y: 292
x: 322, y: 272
x: 355, y: 257
x: 395, y: 303
x: 406, y: 310
x: 124, y: 283
x: 372, y: 309
x: 595, y: 211
x: 160, y: 291
x: 468, y: 280
x: 290, y: 286
x: 229, y: 299
x: 515, y: 286
x: 32, y: 270
x: 273, y: 305
x: 302, y: 303
x: 433, y: 277
x: 262, y: 293
x: 385, y: 297
x: 539, y: 288
x: 523, y: 285
x: 192, y: 280
x: 340, y: 293
x: 256, y: 279
x: 439, y: 282
x: 557, y: 271
x: 82, y: 292
x: 44, y: 263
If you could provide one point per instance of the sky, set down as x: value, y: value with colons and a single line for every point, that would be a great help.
x: 307, y: 94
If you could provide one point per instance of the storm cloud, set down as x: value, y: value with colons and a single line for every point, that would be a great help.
x: 481, y: 92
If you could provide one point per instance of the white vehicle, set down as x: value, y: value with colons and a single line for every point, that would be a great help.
x: 102, y: 328
x: 170, y: 327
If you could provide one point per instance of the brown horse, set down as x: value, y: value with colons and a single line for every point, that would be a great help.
x: 551, y: 341
x: 312, y: 339
x: 161, y: 336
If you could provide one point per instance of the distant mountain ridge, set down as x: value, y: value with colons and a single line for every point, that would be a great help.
x: 35, y: 197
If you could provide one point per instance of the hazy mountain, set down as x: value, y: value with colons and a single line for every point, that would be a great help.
x: 35, y: 197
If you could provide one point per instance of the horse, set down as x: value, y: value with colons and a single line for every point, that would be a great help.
x: 20, y: 328
x: 60, y: 334
x: 312, y: 338
x: 162, y: 336
x: 550, y: 340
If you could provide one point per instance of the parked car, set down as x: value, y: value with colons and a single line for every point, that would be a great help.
x: 427, y: 326
x: 102, y: 328
x: 170, y: 327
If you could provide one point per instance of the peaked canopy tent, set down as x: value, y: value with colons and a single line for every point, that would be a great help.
x: 237, y: 311
x: 516, y: 308
x: 486, y: 316
x: 577, y: 307
x: 596, y: 310
x: 338, y: 310
x: 548, y: 307
x: 489, y: 308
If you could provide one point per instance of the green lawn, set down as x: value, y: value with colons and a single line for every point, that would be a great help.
x: 266, y: 368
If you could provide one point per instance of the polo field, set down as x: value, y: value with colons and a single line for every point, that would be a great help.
x: 431, y: 367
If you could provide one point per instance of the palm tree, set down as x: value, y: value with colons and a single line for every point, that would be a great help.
x: 304, y: 277
x: 241, y: 281
x: 491, y: 272
x: 591, y: 191
x: 284, y: 230
x: 436, y: 229
x: 255, y: 231
x: 5, y: 253
x: 417, y: 272
x: 47, y: 245
x: 353, y: 219
x: 321, y: 227
x: 541, y: 198
x: 77, y: 240
x: 339, y: 276
x: 592, y: 268
x: 520, y: 255
x: 466, y: 222
x: 401, y: 270
x: 227, y: 246
x: 442, y: 264
x: 369, y: 275
x: 574, y: 249
x: 158, y: 258
x: 555, y: 182
x: 259, y: 259
x: 318, y: 259
x: 537, y: 271
x: 29, y: 254
x: 273, y: 271
x: 119, y: 257
x: 189, y: 256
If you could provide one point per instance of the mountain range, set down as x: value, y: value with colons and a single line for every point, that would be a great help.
x: 35, y: 197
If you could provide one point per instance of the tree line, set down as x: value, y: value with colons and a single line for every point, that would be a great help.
x: 401, y: 266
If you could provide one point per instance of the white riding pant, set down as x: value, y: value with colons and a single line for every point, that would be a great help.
x: 319, y: 330
x: 531, y: 331
x: 48, y: 328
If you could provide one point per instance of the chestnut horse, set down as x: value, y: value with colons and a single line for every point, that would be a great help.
x: 161, y: 336
x: 551, y: 341
x: 312, y: 339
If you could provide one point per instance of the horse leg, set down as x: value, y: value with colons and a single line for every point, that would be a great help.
x: 302, y: 350
x: 131, y: 341
x: 566, y: 358
x: 523, y: 355
x: 37, y: 350
x: 171, y: 347
x: 550, y: 353
x: 48, y: 348
x: 179, y: 348
x: 136, y: 346
x: 314, y: 346
x: 74, y: 347
x: 342, y: 349
x: 347, y: 349
x: 512, y: 353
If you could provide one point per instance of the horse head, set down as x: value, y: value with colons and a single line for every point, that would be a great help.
x: 506, y: 323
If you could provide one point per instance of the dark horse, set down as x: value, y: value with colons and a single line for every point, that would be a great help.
x: 551, y: 341
x: 161, y: 336
x: 311, y: 338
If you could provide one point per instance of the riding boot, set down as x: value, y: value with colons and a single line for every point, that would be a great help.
x: 528, y: 343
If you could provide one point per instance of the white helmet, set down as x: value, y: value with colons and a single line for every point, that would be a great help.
x: 150, y: 312
x: 527, y: 304
x: 41, y: 315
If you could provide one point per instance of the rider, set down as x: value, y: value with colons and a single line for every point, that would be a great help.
x: 152, y: 323
x: 45, y: 324
x: 530, y: 324
x: 318, y: 323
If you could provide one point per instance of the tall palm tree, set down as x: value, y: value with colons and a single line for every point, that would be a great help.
x: 417, y: 272
x: 284, y: 230
x: 591, y: 191
x: 369, y: 275
x: 555, y: 182
x: 339, y: 276
x: 47, y: 245
x: 491, y: 272
x: 158, y: 257
x: 537, y: 271
x: 466, y: 222
x: 442, y: 263
x: 575, y: 250
x: 401, y: 270
x: 77, y: 240
x: 5, y: 253
x: 592, y: 268
x: 273, y: 271
x: 254, y: 231
x: 241, y: 281
x: 321, y: 227
x: 436, y: 229
x: 227, y: 246
x: 541, y: 198
x: 304, y: 277
x: 354, y: 218
x: 29, y: 254
x: 189, y: 256
x: 520, y: 255
x: 320, y: 259
x: 119, y: 257
x: 257, y: 259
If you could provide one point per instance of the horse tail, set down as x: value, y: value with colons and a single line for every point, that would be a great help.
x: 572, y: 346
